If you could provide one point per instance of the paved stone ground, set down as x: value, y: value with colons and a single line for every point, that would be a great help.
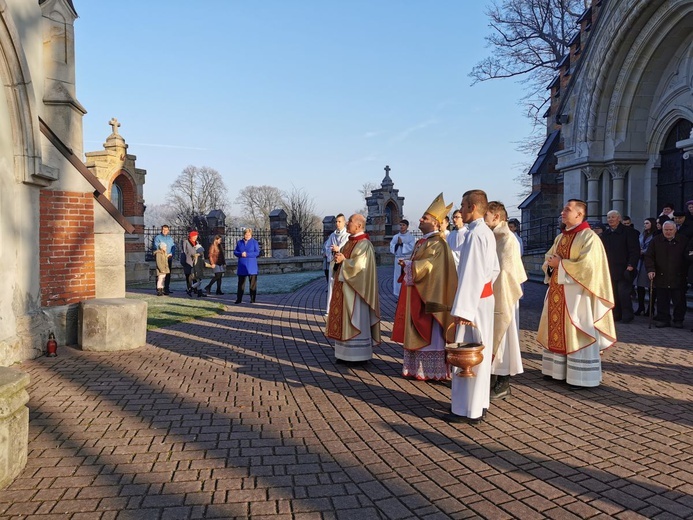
x: 246, y: 415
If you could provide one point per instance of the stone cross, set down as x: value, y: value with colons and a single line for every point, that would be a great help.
x: 114, y: 124
x: 387, y: 170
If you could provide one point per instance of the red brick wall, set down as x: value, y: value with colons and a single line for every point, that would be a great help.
x: 67, y: 247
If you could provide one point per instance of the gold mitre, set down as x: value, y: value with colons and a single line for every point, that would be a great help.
x: 438, y: 208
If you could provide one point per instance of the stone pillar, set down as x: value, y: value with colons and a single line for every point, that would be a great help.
x: 14, y: 424
x: 328, y: 226
x: 618, y: 197
x: 592, y: 174
x: 280, y: 233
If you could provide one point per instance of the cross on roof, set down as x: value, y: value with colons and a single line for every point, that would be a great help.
x: 114, y: 124
x: 387, y: 170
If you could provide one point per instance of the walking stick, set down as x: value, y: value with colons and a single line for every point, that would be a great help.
x: 649, y: 326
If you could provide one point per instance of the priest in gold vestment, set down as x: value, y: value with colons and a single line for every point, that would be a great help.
x: 422, y: 320
x: 354, y: 314
x: 577, y: 322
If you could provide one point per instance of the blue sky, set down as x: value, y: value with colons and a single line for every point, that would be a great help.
x: 319, y: 95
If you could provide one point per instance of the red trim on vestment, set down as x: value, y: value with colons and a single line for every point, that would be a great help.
x: 487, y: 290
x: 579, y: 227
x: 422, y: 321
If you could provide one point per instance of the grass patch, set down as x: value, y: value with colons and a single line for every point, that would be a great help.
x: 266, y: 283
x: 162, y: 312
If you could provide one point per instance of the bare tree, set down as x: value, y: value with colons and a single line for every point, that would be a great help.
x: 197, y: 191
x: 300, y: 210
x: 365, y: 192
x: 156, y: 215
x: 528, y: 39
x: 257, y: 202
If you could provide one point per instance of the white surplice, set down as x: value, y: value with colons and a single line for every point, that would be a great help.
x: 455, y: 240
x: 478, y: 267
x: 337, y: 238
x: 508, y: 360
x: 401, y: 253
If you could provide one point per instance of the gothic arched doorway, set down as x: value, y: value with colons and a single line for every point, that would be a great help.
x: 675, y: 177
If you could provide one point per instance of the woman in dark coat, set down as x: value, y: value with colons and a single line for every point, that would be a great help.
x: 218, y: 263
x: 247, y: 250
x: 642, y: 282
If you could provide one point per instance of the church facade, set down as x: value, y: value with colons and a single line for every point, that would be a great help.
x: 63, y: 239
x: 620, y: 121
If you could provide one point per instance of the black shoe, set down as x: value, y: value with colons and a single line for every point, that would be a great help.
x: 627, y: 320
x: 167, y: 293
x: 454, y: 418
x: 661, y: 324
x: 639, y: 312
x: 237, y: 302
x: 677, y: 325
x: 501, y: 389
x: 219, y: 292
x: 189, y: 291
x: 201, y: 293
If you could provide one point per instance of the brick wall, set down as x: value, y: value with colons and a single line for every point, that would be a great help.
x: 67, y: 247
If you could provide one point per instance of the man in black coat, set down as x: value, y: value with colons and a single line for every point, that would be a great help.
x: 665, y: 261
x: 623, y: 252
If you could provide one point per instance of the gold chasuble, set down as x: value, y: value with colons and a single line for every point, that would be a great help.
x: 430, y: 297
x: 356, y: 275
x: 567, y: 326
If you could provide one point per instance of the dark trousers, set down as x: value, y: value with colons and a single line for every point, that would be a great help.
x: 677, y: 297
x: 217, y: 280
x: 241, y: 286
x: 167, y: 280
x: 623, y: 309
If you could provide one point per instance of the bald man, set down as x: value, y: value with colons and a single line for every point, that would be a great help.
x: 354, y: 314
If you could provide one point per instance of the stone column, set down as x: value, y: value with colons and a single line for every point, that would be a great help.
x: 328, y: 226
x: 618, y: 176
x: 592, y: 174
x: 280, y: 233
x: 14, y: 424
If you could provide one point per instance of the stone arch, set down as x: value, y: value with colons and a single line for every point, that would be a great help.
x: 642, y: 71
x: 123, y: 180
x: 392, y: 217
x: 631, y: 34
x: 21, y: 104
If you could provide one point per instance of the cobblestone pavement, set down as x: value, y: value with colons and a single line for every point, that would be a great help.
x: 246, y: 415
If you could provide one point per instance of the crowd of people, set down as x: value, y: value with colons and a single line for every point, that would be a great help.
x: 657, y: 261
x: 194, y: 260
x: 464, y: 287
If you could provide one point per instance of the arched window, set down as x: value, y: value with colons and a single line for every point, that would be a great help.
x: 117, y: 197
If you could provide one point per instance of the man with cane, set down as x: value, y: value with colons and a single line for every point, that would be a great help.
x: 665, y: 261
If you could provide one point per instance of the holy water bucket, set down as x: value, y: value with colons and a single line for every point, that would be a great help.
x: 464, y: 356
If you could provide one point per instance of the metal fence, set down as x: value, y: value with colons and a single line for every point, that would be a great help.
x: 301, y: 243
